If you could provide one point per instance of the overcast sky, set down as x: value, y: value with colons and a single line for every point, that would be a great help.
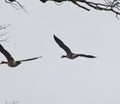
x: 51, y: 79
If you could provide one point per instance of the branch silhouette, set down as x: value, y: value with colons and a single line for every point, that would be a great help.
x: 107, y: 5
x: 2, y: 27
x: 17, y: 5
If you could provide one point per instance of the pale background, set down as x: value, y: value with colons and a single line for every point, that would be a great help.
x: 52, y: 80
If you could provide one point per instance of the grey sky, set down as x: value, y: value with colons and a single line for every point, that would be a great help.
x: 52, y: 80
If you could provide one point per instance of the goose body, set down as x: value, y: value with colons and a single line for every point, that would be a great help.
x: 69, y: 54
x: 10, y: 60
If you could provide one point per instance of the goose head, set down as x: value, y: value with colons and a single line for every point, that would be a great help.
x: 3, y: 62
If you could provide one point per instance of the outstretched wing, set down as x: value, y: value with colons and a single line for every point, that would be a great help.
x: 6, y: 53
x: 87, y: 56
x: 62, y: 45
x: 30, y: 59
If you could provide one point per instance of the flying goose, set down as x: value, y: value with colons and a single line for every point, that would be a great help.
x: 70, y: 55
x: 10, y: 60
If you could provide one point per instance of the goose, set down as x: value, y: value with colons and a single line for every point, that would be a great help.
x: 70, y: 55
x: 10, y: 60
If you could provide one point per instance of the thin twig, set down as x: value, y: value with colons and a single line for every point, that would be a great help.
x: 15, y: 3
x: 108, y: 5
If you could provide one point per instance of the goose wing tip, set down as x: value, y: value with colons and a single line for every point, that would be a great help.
x: 40, y: 56
x: 54, y: 36
x: 93, y: 57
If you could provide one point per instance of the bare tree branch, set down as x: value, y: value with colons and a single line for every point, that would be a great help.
x: 3, y: 26
x: 108, y: 5
x: 3, y: 34
x: 11, y: 102
x: 16, y: 5
x: 74, y: 2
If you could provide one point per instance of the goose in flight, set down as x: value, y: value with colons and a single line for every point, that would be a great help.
x: 70, y: 55
x: 10, y: 60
